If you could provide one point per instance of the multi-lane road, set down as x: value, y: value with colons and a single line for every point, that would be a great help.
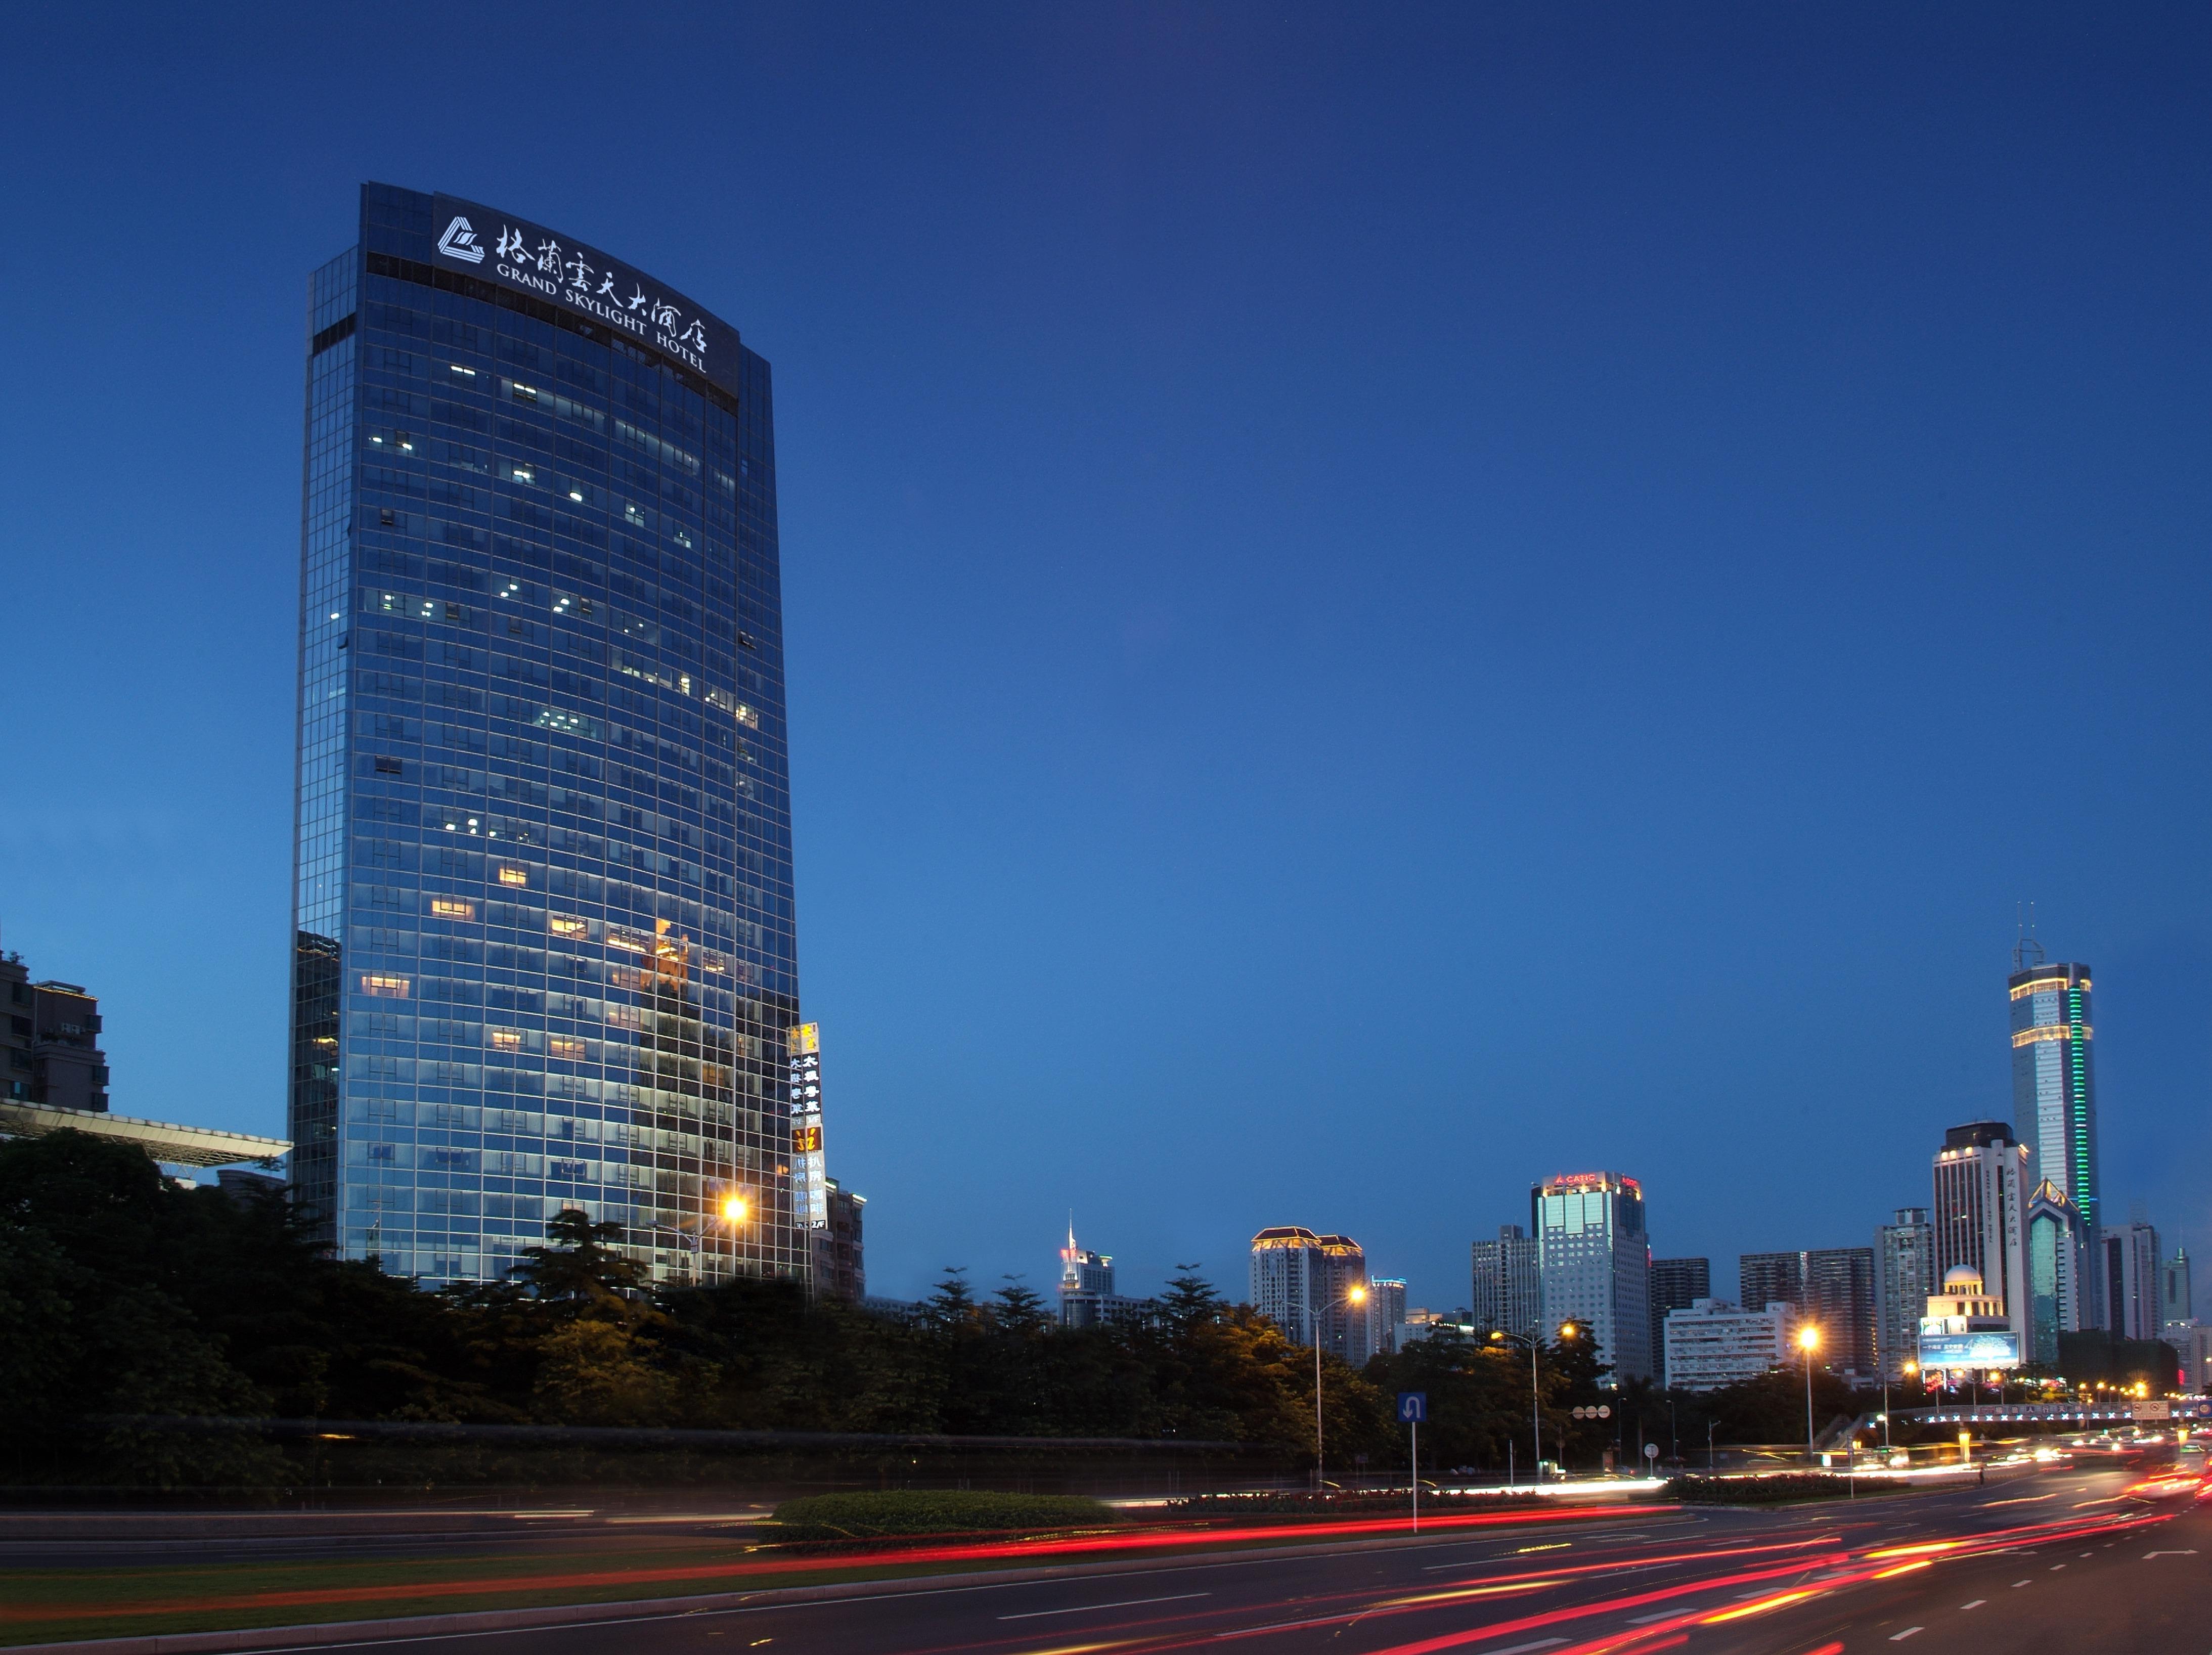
x: 2051, y: 1562
x: 2056, y: 1561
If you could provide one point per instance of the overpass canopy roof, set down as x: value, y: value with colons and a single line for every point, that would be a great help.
x: 161, y: 1140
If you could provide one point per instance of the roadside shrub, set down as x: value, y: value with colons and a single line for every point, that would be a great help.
x: 935, y: 1511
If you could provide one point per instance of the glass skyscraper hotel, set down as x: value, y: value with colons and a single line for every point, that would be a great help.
x: 2054, y: 1100
x: 544, y: 954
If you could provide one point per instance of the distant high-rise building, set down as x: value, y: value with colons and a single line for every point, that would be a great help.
x: 1342, y: 1304
x: 2054, y: 1092
x: 2130, y: 1262
x: 1904, y: 1276
x: 1981, y: 1214
x: 1713, y: 1344
x: 2054, y: 1281
x: 1839, y: 1297
x: 1831, y: 1288
x: 1285, y: 1279
x: 1087, y: 1298
x: 1594, y: 1264
x: 840, y: 1257
x: 1314, y: 1288
x: 51, y: 1034
x: 2176, y: 1303
x: 1770, y: 1279
x: 15, y: 1028
x: 1506, y: 1292
x: 1386, y: 1313
x: 1676, y: 1284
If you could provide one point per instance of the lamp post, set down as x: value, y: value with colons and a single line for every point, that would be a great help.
x: 1358, y: 1295
x: 1808, y: 1341
x: 1910, y: 1370
x: 1535, y: 1398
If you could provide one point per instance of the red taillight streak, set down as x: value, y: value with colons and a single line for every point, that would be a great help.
x: 1607, y: 1606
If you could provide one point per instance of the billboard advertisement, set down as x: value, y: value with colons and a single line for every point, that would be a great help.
x: 810, y: 1190
x: 1992, y: 1349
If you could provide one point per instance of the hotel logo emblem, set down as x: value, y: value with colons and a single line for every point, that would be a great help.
x: 461, y: 241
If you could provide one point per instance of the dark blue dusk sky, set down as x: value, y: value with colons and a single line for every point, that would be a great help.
x: 1383, y: 602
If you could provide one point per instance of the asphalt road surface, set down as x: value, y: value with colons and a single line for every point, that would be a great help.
x: 2053, y: 1563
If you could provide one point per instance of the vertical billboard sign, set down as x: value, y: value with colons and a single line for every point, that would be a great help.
x: 810, y: 1193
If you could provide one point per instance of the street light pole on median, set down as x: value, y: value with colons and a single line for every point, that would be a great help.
x: 1808, y: 1341
x: 1356, y: 1296
x: 1535, y: 1396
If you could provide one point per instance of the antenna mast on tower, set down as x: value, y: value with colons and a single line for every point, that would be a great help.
x: 2026, y: 944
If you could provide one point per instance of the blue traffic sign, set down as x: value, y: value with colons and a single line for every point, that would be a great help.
x: 1412, y: 1407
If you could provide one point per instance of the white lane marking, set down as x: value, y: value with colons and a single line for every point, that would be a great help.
x: 1646, y: 1619
x: 1282, y: 1625
x: 1523, y: 1649
x: 1899, y: 1637
x: 2192, y: 1552
x: 2058, y: 1566
x: 2017, y: 1585
x: 1976, y: 1603
x: 1086, y: 1608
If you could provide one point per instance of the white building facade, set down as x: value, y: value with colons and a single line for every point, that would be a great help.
x: 1715, y: 1343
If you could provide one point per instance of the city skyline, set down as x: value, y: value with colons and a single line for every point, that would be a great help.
x: 1587, y: 597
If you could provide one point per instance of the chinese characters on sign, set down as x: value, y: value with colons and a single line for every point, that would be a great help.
x: 583, y: 279
x: 810, y: 1194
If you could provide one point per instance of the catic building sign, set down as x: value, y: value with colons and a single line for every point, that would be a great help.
x: 513, y: 253
x: 810, y: 1190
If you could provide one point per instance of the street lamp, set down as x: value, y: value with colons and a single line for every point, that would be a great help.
x: 1356, y: 1296
x: 1912, y: 1371
x: 1808, y: 1341
x: 1535, y: 1400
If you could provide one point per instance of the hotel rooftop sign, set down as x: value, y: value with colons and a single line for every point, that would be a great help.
x: 473, y: 239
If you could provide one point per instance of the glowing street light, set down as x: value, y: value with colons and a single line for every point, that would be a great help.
x: 1355, y: 1294
x: 736, y: 1210
x: 1535, y: 1400
x: 1808, y: 1341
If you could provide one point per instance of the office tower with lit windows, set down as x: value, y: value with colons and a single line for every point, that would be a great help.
x: 1980, y: 1215
x: 1904, y: 1277
x: 2131, y: 1263
x: 1285, y: 1278
x: 2054, y: 1259
x: 1594, y: 1264
x: 2175, y: 1303
x: 1676, y: 1284
x: 543, y: 946
x: 1386, y: 1313
x: 1770, y: 1279
x: 2054, y: 1097
x: 1505, y: 1281
x: 1314, y: 1288
x: 1832, y: 1289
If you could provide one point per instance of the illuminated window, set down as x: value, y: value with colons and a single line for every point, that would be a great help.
x: 567, y: 924
x: 632, y: 941
x: 453, y: 907
x: 2049, y: 1032
x: 514, y: 876
x: 504, y: 1040
x: 391, y: 988
x: 567, y: 1047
